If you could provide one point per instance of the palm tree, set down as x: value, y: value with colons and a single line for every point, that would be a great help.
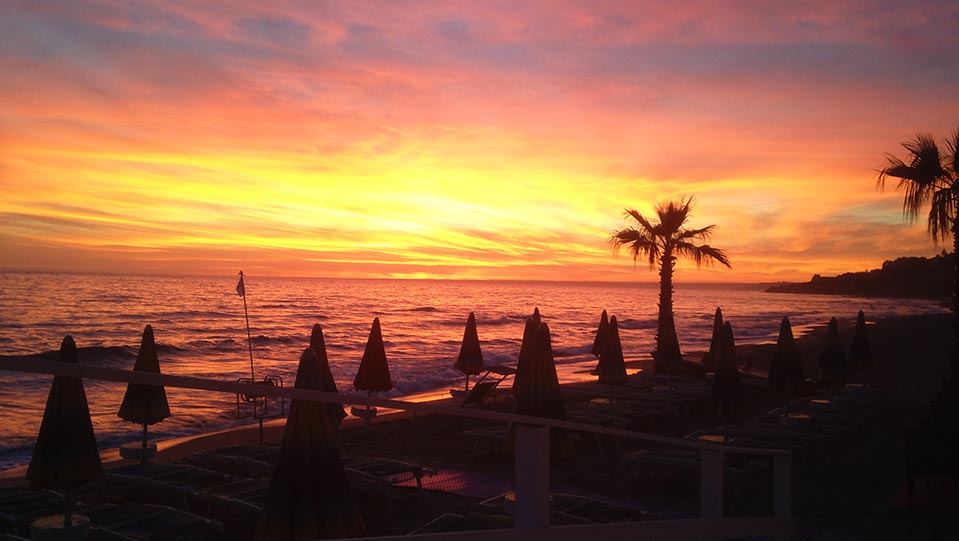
x: 932, y: 176
x: 663, y: 243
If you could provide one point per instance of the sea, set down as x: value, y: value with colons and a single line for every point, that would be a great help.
x: 200, y: 324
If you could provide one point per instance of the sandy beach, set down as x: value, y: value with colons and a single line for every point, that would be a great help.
x: 855, y: 491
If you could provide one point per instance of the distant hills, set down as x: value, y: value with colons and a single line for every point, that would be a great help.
x: 912, y: 277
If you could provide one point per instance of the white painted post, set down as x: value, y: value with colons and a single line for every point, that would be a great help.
x: 710, y: 483
x: 782, y: 477
x: 532, y: 476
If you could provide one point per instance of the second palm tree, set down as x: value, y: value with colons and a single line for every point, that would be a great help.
x: 663, y: 242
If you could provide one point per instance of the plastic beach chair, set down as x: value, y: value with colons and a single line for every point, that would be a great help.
x: 480, y: 393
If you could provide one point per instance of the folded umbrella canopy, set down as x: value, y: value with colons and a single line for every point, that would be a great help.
x: 374, y: 372
x: 612, y: 366
x: 318, y: 345
x: 541, y: 395
x: 785, y: 371
x: 832, y: 363
x: 470, y: 360
x: 66, y: 452
x: 727, y: 388
x: 715, y: 343
x: 525, y: 350
x: 860, y: 355
x: 145, y: 404
x: 310, y: 496
x: 601, y: 333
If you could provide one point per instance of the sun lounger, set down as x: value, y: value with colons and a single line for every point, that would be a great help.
x: 471, y: 521
x: 185, y: 487
x: 480, y: 393
x: 147, y: 522
x: 386, y: 473
x: 19, y: 506
x: 495, y: 434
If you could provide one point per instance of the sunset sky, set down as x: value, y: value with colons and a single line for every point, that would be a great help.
x: 461, y: 140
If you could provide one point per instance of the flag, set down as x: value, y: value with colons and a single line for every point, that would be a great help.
x: 240, y: 289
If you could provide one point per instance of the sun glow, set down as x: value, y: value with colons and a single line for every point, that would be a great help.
x: 433, y: 143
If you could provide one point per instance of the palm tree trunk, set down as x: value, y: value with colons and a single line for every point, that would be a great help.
x: 954, y: 356
x: 667, y: 343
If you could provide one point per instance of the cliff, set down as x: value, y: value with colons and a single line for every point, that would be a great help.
x: 912, y: 277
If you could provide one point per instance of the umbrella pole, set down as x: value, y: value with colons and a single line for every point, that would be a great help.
x: 67, y: 510
x: 467, y: 382
x: 144, y: 435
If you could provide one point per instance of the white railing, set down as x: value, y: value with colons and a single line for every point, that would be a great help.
x: 532, y: 470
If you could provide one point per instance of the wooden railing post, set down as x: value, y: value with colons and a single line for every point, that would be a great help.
x: 532, y: 476
x: 710, y: 483
x: 782, y: 489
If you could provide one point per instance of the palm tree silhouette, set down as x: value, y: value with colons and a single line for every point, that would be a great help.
x: 664, y: 242
x: 931, y: 176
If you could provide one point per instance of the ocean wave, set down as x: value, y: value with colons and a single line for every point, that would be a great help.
x: 418, y: 309
x: 637, y: 324
x: 502, y: 320
x: 571, y: 351
x: 97, y: 355
x: 262, y: 340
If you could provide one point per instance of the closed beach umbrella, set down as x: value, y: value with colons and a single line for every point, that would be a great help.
x: 785, y: 371
x: 859, y: 354
x: 374, y: 372
x: 727, y: 382
x: 715, y: 343
x: 66, y: 452
x: 145, y: 404
x: 309, y: 495
x: 470, y: 360
x: 541, y: 395
x: 318, y: 345
x: 612, y: 366
x: 525, y: 349
x: 601, y: 333
x: 832, y: 364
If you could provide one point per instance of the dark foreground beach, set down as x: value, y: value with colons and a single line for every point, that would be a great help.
x: 848, y: 484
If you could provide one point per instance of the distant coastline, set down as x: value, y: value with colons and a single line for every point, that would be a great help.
x: 905, y: 277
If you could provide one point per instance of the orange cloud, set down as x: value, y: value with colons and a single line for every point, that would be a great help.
x: 499, y: 141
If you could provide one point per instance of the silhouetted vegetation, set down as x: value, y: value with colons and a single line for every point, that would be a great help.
x: 909, y: 277
x: 932, y: 177
x: 663, y: 242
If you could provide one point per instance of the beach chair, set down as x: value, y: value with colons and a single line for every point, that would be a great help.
x: 484, y: 387
x: 19, y: 506
x: 480, y: 393
x: 470, y: 521
x: 130, y: 521
x: 386, y: 473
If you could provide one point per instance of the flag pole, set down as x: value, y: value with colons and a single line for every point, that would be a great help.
x: 241, y: 289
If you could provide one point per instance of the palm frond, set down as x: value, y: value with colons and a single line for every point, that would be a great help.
x: 920, y: 178
x: 638, y: 241
x: 941, y: 213
x: 703, y: 233
x: 701, y: 255
x: 952, y: 156
x: 672, y: 216
x: 641, y: 219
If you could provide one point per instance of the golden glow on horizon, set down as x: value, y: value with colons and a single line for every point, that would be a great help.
x: 377, y: 141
